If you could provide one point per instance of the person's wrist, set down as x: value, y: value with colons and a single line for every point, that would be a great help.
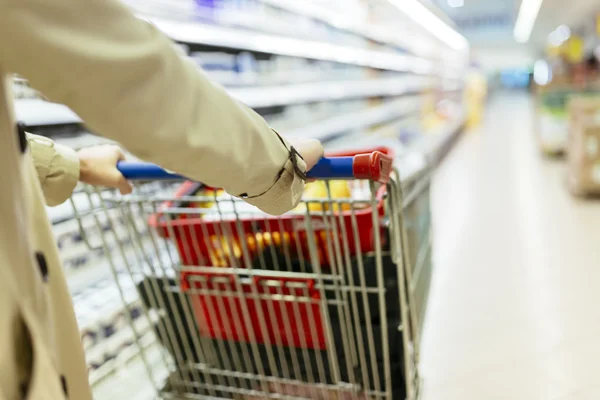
x: 84, y: 168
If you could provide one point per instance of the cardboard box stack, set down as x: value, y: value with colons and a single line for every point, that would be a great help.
x: 584, y: 145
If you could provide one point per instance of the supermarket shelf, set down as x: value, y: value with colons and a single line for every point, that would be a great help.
x: 437, y: 144
x: 126, y: 378
x: 36, y: 112
x: 267, y: 96
x: 232, y: 79
x: 410, y: 161
x: 406, y: 40
x: 65, y: 211
x: 243, y: 17
x: 82, y: 140
x: 330, y: 128
x: 98, y: 270
x: 235, y: 38
x: 113, y: 344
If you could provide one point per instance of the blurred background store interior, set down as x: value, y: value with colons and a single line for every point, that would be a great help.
x: 492, y: 110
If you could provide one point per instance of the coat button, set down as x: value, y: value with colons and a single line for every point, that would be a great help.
x: 22, y: 137
x: 63, y: 382
x: 41, y: 260
x: 24, y: 388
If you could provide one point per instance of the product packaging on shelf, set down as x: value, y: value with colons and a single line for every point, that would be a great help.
x: 552, y: 119
x: 584, y: 145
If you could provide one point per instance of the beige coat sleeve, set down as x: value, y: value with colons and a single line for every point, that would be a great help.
x: 57, y: 168
x: 127, y: 82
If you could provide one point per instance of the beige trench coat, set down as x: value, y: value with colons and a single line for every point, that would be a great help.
x: 127, y: 83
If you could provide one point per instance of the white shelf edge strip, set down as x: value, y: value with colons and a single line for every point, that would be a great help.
x: 34, y: 112
x: 244, y: 39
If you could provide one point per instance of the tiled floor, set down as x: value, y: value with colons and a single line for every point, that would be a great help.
x: 514, y: 310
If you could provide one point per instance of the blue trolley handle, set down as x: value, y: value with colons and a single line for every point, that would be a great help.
x: 374, y: 166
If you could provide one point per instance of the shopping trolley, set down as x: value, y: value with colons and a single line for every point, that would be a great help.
x: 239, y: 304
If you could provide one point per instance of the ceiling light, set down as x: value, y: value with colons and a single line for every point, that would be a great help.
x: 554, y: 39
x: 456, y: 3
x: 431, y: 22
x: 526, y: 19
x: 564, y: 31
x: 542, y: 73
x: 559, y: 35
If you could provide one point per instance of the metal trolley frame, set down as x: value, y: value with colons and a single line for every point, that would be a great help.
x: 237, y: 304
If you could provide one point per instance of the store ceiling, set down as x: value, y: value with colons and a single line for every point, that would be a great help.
x: 482, y: 22
x: 491, y: 22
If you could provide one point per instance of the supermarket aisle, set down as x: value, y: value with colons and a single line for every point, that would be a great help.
x: 513, y: 311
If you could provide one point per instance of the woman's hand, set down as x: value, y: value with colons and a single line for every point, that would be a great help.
x: 98, y: 167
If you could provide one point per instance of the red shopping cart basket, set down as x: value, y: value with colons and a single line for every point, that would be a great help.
x: 277, y: 310
x: 220, y: 240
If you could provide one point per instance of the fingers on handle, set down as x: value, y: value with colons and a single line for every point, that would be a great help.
x: 120, y: 154
x: 118, y: 181
x: 124, y: 186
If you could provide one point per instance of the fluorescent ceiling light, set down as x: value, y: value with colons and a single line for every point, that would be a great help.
x: 542, y: 73
x: 554, y: 39
x: 431, y: 22
x: 564, y: 32
x: 456, y: 3
x: 526, y: 19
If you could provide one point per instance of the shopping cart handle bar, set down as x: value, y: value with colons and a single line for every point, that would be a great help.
x: 374, y: 166
x: 141, y: 171
x: 333, y: 168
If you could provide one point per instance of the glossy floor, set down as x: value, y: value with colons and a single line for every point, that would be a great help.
x: 514, y: 309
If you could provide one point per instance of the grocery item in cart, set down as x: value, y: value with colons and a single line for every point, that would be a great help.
x: 321, y: 189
